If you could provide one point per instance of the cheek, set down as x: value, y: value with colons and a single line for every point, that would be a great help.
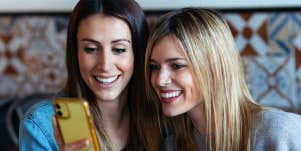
x: 81, y: 62
x: 195, y: 91
x: 126, y: 63
x: 153, y: 83
x: 186, y: 79
x: 84, y: 62
x: 188, y: 82
x: 83, y: 66
x: 152, y: 79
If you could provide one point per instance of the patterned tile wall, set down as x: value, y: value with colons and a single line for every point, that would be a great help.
x: 32, y: 55
x: 270, y: 46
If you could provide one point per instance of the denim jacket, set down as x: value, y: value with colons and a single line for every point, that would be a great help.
x: 36, y: 131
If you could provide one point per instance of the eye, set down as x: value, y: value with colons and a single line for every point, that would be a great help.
x: 90, y: 49
x: 154, y: 67
x: 119, y: 50
x: 176, y: 66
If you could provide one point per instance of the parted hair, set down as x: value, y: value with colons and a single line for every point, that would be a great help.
x: 211, y: 51
x: 131, y: 13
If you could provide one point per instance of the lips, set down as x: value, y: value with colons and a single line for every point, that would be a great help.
x: 168, y: 96
x: 106, y: 81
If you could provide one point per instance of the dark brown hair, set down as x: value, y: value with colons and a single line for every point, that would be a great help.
x: 130, y: 12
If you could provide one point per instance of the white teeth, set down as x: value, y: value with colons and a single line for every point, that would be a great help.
x: 106, y: 80
x: 170, y: 94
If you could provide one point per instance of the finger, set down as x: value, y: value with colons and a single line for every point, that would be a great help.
x: 76, y: 145
x: 57, y: 134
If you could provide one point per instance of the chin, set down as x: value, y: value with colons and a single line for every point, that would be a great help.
x: 106, y: 97
x: 171, y: 113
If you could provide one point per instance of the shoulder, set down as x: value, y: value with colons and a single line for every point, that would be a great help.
x: 278, y: 120
x: 36, y: 130
x: 43, y: 109
x: 39, y: 116
x: 277, y: 129
x: 40, y: 110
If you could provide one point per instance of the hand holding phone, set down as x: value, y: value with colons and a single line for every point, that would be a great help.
x: 75, y: 122
x: 77, y: 145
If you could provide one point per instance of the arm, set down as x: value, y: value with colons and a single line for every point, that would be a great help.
x: 33, y: 137
x: 36, y: 131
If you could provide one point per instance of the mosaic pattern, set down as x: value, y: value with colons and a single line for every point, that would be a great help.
x: 271, y: 51
x: 279, y: 34
x: 296, y: 30
x: 275, y: 83
x: 32, y: 55
x: 250, y: 32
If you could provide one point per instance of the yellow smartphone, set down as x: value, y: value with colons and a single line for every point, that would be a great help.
x: 75, y: 121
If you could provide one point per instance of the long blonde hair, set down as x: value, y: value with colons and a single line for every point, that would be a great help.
x: 210, y: 49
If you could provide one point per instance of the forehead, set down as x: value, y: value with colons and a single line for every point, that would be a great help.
x: 167, y: 47
x: 101, y: 26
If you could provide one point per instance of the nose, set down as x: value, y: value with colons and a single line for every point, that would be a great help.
x: 163, y: 77
x: 105, y: 61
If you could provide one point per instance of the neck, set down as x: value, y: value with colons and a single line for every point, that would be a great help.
x: 114, y: 112
x: 198, y: 118
x: 115, y: 116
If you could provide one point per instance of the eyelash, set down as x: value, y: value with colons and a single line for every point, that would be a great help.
x: 119, y: 50
x: 115, y: 50
x: 178, y: 66
x: 154, y: 67
x: 90, y: 49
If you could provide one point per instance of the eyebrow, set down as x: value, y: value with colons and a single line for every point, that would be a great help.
x: 97, y: 42
x: 169, y: 59
x: 90, y: 40
x: 123, y: 39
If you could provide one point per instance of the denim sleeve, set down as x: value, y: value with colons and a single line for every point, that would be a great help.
x: 36, y: 131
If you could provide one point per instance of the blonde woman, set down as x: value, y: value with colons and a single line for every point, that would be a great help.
x: 194, y: 73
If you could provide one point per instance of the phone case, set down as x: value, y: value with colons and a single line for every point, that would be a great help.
x: 75, y: 122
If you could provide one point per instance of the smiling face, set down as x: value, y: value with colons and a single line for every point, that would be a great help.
x: 173, y: 78
x: 105, y: 56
